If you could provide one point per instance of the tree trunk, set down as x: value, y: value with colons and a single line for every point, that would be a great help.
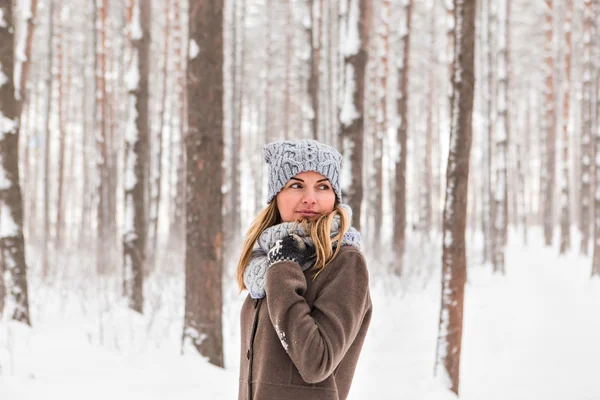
x: 26, y: 63
x: 47, y: 239
x: 312, y: 84
x: 402, y: 141
x: 565, y: 218
x: 158, y: 171
x: 548, y: 166
x: 103, y: 246
x: 204, y: 149
x: 454, y: 263
x: 501, y: 137
x: 596, y: 254
x: 12, y: 241
x: 352, y: 113
x: 60, y: 103
x: 586, y: 139
x: 136, y: 145
x: 487, y: 195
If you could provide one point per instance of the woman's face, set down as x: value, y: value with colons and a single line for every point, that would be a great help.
x: 307, y: 195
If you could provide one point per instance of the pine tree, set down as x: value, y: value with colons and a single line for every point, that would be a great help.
x: 454, y: 263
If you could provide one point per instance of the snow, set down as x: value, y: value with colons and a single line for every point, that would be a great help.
x: 346, y: 174
x: 349, y: 112
x: 7, y: 125
x: 531, y: 334
x: 194, y: 49
x: 3, y: 77
x: 351, y: 41
x: 3, y: 23
x: 136, y: 27
x: 8, y: 226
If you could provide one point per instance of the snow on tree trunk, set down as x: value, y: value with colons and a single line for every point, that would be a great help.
x: 548, y: 167
x: 204, y: 149
x: 12, y: 241
x: 586, y: 139
x: 137, y: 133
x: 565, y: 218
x: 401, y: 155
x: 355, y: 52
x: 501, y: 141
x: 454, y: 263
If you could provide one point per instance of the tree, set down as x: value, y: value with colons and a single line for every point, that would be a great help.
x: 596, y: 254
x: 313, y: 29
x: 136, y: 154
x: 355, y: 52
x: 454, y: 268
x: 487, y: 129
x: 501, y: 139
x: 204, y: 149
x: 548, y: 159
x: 586, y: 139
x: 565, y: 219
x: 102, y: 185
x: 402, y: 139
x: 12, y: 241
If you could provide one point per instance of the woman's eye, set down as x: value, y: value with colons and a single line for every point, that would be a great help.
x: 324, y: 187
x: 295, y: 186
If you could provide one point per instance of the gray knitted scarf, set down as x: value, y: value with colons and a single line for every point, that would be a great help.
x: 255, y: 272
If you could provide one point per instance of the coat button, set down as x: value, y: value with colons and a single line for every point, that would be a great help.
x: 248, y: 354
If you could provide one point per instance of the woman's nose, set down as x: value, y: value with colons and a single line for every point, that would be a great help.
x: 309, y: 198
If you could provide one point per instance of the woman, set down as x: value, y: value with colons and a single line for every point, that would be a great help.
x: 305, y: 319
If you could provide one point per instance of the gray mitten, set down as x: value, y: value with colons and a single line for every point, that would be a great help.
x: 290, y: 248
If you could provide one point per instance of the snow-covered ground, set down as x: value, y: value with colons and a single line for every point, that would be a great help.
x: 531, y: 334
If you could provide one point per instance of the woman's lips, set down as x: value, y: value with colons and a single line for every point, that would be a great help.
x: 308, y: 213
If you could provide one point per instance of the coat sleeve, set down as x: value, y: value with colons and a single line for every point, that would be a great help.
x: 317, y: 340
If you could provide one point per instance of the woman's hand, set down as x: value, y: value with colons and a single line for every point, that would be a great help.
x: 290, y: 248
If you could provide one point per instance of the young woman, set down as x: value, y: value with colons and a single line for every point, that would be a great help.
x: 306, y: 316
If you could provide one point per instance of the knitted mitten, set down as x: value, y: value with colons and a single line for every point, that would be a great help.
x: 290, y: 248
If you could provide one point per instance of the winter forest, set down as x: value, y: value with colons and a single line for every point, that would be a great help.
x: 131, y: 168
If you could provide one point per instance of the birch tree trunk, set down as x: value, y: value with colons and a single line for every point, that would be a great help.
x: 565, y: 218
x: 501, y: 143
x: 12, y: 241
x: 454, y: 268
x: 548, y: 166
x: 204, y: 148
x: 355, y: 52
x: 136, y: 153
x: 399, y: 223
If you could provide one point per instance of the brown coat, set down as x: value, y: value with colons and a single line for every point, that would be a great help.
x: 303, y: 339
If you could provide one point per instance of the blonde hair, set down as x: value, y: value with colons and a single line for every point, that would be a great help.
x: 319, y: 231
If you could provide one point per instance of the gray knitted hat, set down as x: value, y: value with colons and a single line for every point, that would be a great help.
x: 290, y: 157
